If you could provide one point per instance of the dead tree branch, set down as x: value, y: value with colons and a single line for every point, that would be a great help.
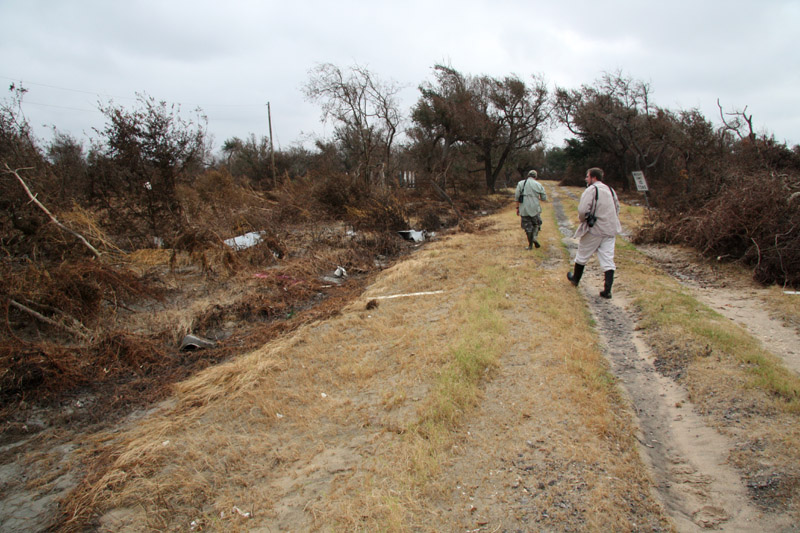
x: 442, y: 194
x: 740, y: 119
x: 42, y: 318
x: 47, y: 212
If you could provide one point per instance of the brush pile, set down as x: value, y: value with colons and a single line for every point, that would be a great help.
x: 106, y: 328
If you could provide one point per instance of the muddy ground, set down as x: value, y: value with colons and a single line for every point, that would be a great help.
x: 693, y: 480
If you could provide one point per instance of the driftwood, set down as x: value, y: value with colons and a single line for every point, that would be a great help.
x: 47, y: 211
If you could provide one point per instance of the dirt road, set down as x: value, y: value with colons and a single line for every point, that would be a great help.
x: 573, y: 426
x: 689, y: 459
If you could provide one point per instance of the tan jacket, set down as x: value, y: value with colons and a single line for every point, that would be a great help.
x: 607, y: 211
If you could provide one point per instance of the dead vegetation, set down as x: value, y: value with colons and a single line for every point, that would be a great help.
x: 751, y: 218
x: 109, y: 259
x: 110, y: 327
x: 434, y: 409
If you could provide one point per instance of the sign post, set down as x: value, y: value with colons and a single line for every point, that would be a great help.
x: 641, y: 184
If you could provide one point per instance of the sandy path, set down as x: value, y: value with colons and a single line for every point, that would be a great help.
x: 521, y: 462
x: 740, y: 301
x: 688, y: 458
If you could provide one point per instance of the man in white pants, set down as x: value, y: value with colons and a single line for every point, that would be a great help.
x: 601, y: 201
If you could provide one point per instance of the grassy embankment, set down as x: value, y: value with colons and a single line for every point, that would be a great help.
x: 505, y: 299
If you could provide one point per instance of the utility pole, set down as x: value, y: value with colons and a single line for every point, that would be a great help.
x: 271, y: 147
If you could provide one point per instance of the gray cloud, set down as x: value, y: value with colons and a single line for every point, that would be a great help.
x: 232, y: 58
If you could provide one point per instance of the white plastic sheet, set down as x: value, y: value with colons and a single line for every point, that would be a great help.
x: 242, y: 242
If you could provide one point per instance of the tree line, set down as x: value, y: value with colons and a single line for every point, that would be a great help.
x: 465, y: 134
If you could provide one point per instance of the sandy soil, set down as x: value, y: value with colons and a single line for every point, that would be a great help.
x: 738, y: 299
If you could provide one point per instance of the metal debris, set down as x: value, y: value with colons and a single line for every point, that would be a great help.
x: 193, y: 342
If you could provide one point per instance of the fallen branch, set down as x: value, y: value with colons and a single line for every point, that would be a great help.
x: 47, y: 212
x: 50, y: 321
x: 442, y: 194
x: 391, y: 296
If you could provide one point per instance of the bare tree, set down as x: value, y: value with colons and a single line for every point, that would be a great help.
x: 365, y: 111
x: 737, y: 123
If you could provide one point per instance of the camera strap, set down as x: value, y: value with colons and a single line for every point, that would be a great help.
x: 522, y: 191
x: 596, y: 198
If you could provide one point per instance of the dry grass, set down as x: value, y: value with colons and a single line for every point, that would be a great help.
x: 579, y: 411
x: 85, y: 223
x: 351, y: 423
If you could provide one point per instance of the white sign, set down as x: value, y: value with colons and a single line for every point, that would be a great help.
x: 638, y: 177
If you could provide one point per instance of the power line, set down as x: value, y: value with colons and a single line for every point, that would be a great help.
x: 23, y: 83
x: 95, y: 93
x: 26, y: 102
x: 218, y: 113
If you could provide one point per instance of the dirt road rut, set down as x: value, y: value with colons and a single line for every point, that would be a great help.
x: 693, y: 479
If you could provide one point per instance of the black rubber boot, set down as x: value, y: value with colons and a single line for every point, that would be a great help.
x: 530, y: 240
x: 576, y: 277
x: 606, y: 292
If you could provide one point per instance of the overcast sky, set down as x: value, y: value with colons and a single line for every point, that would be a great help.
x: 231, y: 58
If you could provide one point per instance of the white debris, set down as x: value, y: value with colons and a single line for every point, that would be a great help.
x: 242, y: 242
x: 324, y: 395
x: 424, y: 293
x: 240, y: 512
x: 340, y: 272
x: 412, y: 235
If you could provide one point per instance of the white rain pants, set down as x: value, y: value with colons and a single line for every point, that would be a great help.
x: 604, y: 246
